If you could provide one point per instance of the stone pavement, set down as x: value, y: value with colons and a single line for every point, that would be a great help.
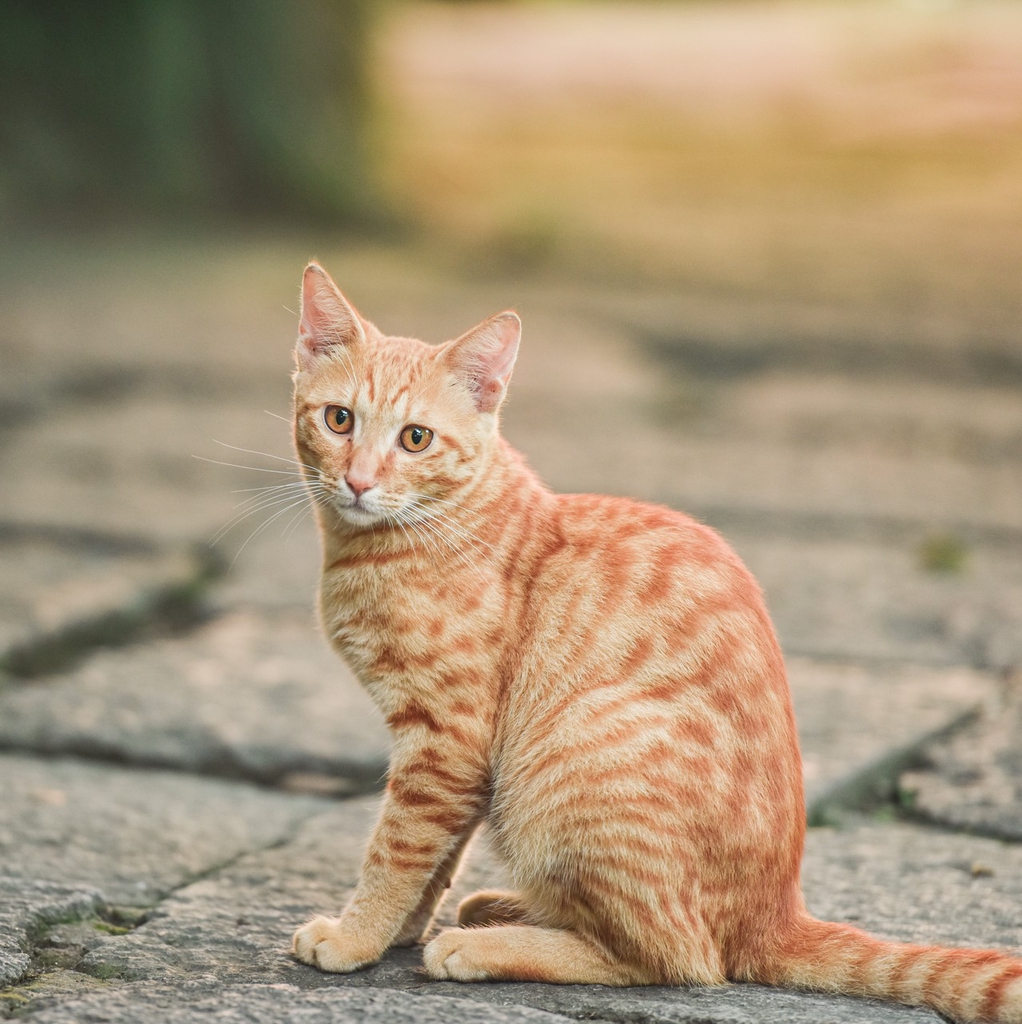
x: 186, y: 772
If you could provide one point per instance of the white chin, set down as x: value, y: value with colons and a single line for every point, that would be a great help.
x: 358, y: 515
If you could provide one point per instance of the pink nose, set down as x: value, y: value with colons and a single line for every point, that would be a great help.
x: 359, y: 485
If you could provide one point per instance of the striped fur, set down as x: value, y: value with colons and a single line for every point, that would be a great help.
x: 595, y: 678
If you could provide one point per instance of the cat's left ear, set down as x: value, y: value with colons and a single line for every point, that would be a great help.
x: 328, y: 320
x: 484, y: 358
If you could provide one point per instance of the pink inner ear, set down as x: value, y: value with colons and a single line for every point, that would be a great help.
x: 502, y: 358
x: 485, y: 357
x: 327, y: 317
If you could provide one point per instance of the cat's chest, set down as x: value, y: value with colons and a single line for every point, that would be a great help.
x: 405, y: 630
x: 369, y: 611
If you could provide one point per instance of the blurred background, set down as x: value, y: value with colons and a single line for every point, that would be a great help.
x: 767, y: 254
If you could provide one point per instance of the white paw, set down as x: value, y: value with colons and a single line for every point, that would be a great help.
x: 323, y: 943
x: 448, y: 957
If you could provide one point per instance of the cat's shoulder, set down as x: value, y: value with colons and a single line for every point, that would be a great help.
x: 615, y: 520
x: 666, y: 548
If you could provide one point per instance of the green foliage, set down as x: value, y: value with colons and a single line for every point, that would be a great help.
x: 185, y: 107
x: 907, y: 799
x: 110, y: 929
x: 943, y: 552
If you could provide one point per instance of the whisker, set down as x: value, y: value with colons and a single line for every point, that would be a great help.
x: 459, y: 530
x: 422, y: 503
x: 268, y: 503
x: 268, y: 497
x: 295, y: 523
x: 271, y: 487
x: 401, y: 527
x: 265, y: 455
x: 258, y: 501
x: 429, y: 539
x: 295, y: 520
x: 254, y: 469
x: 259, y: 529
x: 426, y: 526
x: 423, y: 499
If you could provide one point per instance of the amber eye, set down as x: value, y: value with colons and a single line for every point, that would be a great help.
x: 339, y: 419
x: 415, y: 439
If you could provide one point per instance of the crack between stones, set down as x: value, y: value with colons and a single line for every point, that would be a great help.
x: 172, y: 608
x: 110, y: 918
x: 82, y: 908
x: 331, y: 781
x: 877, y: 787
x: 877, y: 783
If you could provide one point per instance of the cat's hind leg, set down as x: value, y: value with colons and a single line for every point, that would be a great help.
x: 491, y: 906
x: 523, y: 953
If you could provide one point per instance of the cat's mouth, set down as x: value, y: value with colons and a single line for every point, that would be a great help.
x: 357, y: 510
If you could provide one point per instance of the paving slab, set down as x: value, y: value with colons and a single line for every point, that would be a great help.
x: 86, y: 850
x: 235, y: 925
x: 276, y: 568
x: 254, y: 1004
x: 250, y: 695
x: 799, y: 441
x: 898, y: 880
x: 861, y: 591
x: 29, y: 907
x: 910, y: 882
x: 860, y: 726
x: 282, y: 1004
x: 134, y: 835
x: 62, y: 591
x: 131, y: 464
x: 973, y: 779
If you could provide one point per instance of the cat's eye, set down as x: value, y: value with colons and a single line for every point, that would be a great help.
x: 415, y: 439
x: 339, y: 419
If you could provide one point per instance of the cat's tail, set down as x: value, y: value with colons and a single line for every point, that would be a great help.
x: 968, y: 985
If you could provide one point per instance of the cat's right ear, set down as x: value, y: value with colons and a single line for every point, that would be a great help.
x: 484, y: 358
x: 328, y: 320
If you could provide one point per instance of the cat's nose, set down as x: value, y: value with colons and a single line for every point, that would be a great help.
x: 358, y: 484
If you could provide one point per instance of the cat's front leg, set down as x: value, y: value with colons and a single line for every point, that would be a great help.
x: 432, y: 805
x: 418, y: 922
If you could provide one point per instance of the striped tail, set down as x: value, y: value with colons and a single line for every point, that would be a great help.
x: 967, y: 985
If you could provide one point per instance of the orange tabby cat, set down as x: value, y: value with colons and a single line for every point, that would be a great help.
x: 595, y: 678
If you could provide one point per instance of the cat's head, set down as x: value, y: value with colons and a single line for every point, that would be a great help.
x: 388, y: 427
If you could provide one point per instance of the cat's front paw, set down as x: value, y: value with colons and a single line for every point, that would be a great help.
x: 325, y: 943
x: 447, y: 957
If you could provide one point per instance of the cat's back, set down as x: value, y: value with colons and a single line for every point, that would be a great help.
x: 638, y: 611
x: 643, y: 564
